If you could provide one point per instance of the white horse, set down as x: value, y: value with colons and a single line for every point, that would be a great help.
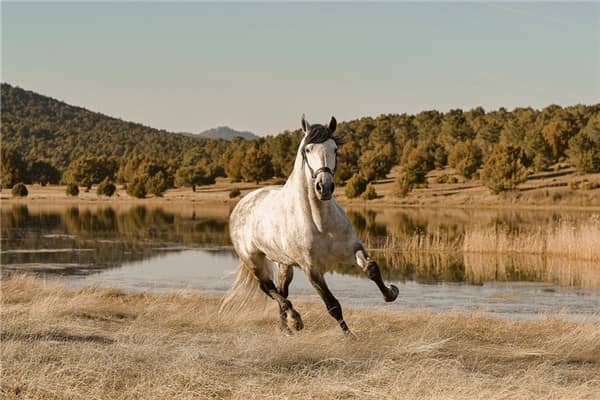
x: 300, y: 225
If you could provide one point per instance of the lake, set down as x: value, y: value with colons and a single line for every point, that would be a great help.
x: 516, y: 264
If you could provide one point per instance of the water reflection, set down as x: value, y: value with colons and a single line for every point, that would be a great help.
x: 424, y: 246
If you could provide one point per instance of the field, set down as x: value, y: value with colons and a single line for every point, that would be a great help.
x: 97, y: 343
x: 547, y: 189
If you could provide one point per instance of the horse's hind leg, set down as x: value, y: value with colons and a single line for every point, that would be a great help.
x: 284, y: 278
x: 333, y: 305
x: 263, y: 272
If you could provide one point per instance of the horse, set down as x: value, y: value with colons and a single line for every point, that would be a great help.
x: 301, y: 225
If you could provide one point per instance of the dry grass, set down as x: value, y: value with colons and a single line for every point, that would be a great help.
x: 105, y: 344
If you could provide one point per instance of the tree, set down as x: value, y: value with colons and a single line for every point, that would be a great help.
x: 465, y: 157
x: 13, y: 168
x: 137, y: 187
x: 455, y: 128
x: 504, y: 169
x: 557, y: 133
x: 19, y: 190
x: 377, y: 163
x: 193, y: 176
x: 355, y: 186
x: 157, y: 184
x: 43, y: 173
x: 257, y: 165
x: 370, y: 193
x: 584, y: 148
x: 72, y: 190
x: 106, y: 188
x: 88, y: 171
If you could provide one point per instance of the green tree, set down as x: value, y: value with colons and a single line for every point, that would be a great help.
x: 19, y: 190
x: 43, y: 173
x: 504, y: 169
x: 377, y: 163
x: 88, y: 171
x: 465, y: 157
x: 14, y: 169
x: 106, y: 188
x: 584, y: 148
x: 137, y: 187
x: 355, y: 186
x: 257, y: 165
x: 72, y: 190
x: 193, y: 176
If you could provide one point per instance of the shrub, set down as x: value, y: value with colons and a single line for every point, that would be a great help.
x: 355, y: 186
x: 370, y: 193
x: 137, y: 187
x: 504, y: 169
x: 453, y: 179
x: 235, y: 192
x: 408, y: 178
x: 106, y: 188
x: 19, y: 190
x: 72, y: 190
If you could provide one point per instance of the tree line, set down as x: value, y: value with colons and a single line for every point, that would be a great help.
x: 48, y: 141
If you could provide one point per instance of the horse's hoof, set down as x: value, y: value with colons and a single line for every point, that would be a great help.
x: 392, y: 294
x: 298, y: 324
x: 285, y: 330
x: 349, y: 335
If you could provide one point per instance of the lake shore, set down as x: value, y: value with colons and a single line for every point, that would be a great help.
x: 94, y: 342
x: 548, y: 190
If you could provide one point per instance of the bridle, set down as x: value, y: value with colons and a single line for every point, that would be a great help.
x: 316, y: 173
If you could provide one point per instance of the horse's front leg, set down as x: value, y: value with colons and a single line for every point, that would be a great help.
x: 284, y: 278
x: 333, y: 305
x: 372, y: 270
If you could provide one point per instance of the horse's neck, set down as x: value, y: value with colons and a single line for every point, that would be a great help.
x: 320, y: 212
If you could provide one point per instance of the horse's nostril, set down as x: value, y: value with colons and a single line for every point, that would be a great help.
x: 319, y: 187
x: 332, y: 186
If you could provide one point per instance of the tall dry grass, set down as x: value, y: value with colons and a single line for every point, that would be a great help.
x: 567, y: 239
x: 95, y: 343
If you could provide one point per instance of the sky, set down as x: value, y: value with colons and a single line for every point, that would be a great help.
x: 258, y: 67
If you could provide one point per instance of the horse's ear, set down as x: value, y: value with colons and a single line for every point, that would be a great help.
x: 332, y: 124
x: 305, y: 124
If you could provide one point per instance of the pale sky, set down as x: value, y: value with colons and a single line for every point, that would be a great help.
x: 258, y: 67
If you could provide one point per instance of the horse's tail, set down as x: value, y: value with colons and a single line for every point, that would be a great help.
x: 245, y: 290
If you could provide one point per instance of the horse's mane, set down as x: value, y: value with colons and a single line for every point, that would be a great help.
x: 321, y: 133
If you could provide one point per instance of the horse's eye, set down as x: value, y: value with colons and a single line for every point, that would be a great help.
x: 308, y: 150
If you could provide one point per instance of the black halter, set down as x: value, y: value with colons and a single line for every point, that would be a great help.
x: 316, y: 173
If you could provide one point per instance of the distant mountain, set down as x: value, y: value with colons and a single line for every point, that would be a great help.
x: 223, y: 132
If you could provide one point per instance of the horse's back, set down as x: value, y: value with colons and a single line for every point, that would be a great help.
x: 244, y: 215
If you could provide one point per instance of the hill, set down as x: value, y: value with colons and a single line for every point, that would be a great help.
x: 223, y: 132
x: 41, y: 127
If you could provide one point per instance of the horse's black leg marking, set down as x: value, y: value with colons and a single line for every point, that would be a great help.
x: 372, y: 270
x: 286, y: 273
x: 285, y: 305
x: 333, y: 305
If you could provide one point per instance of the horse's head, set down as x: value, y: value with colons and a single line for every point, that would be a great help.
x: 319, y: 156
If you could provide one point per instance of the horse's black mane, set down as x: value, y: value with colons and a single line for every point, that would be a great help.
x: 319, y: 134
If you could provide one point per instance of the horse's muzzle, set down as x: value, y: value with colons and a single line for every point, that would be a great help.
x: 324, y: 187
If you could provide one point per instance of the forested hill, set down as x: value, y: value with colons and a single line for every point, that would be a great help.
x: 41, y: 127
x: 500, y: 147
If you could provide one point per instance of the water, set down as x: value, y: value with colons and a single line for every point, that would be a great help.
x: 174, y: 248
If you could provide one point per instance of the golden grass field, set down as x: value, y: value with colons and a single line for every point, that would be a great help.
x: 94, y: 343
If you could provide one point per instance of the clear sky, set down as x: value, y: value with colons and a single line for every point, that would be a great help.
x: 193, y: 66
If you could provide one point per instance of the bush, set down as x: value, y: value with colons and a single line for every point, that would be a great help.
x: 504, y: 169
x: 72, y: 190
x: 442, y: 178
x: 106, y: 188
x: 370, y: 193
x: 235, y: 192
x: 355, y: 186
x: 137, y: 187
x: 19, y: 190
x: 587, y: 185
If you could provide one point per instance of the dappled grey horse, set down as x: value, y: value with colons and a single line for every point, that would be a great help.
x: 299, y: 225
